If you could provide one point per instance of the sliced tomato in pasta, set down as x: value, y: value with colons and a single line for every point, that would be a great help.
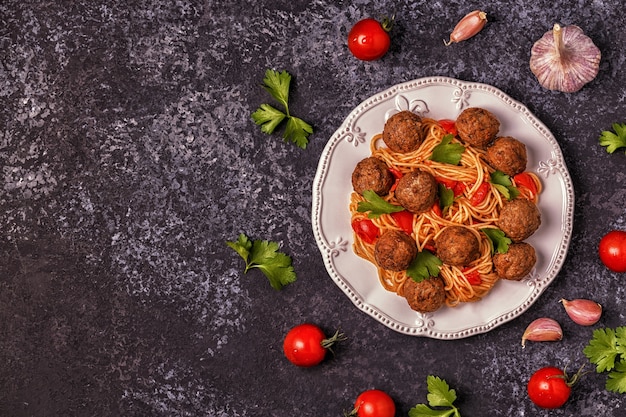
x: 525, y: 180
x: 448, y: 125
x: 366, y: 230
x: 480, y: 194
x: 404, y: 220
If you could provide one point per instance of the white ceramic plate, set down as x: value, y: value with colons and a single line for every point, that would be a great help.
x: 439, y: 98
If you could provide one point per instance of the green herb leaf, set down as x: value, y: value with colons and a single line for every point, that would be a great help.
x: 265, y: 255
x: 424, y: 266
x: 297, y: 130
x: 607, y: 350
x: 447, y: 152
x: 446, y: 197
x: 268, y: 117
x: 439, y: 395
x: 277, y: 84
x: 376, y: 205
x: 499, y: 242
x: 504, y: 185
x: 614, y: 141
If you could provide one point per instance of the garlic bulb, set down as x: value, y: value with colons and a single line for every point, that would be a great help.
x: 565, y: 59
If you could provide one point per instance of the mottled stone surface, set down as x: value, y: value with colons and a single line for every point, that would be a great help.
x: 129, y: 157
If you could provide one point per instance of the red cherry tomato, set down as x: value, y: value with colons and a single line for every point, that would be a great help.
x: 374, y: 403
x: 448, y: 125
x: 306, y: 345
x: 404, y: 220
x: 480, y: 194
x: 369, y: 39
x: 612, y: 250
x: 525, y: 180
x: 549, y: 387
x: 366, y: 230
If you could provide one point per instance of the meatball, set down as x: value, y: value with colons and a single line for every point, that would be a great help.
x: 519, y: 219
x: 417, y: 191
x: 457, y: 246
x: 403, y: 132
x: 425, y: 296
x: 477, y: 127
x: 516, y: 263
x: 508, y: 155
x: 395, y: 250
x: 372, y: 174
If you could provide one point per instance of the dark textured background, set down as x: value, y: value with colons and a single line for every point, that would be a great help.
x: 129, y: 157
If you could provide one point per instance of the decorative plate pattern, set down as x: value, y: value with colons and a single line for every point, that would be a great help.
x: 439, y: 98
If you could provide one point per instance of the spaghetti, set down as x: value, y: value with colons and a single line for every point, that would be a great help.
x: 469, y: 283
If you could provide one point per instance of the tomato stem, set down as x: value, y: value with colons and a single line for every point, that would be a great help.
x: 387, y: 23
x: 329, y: 342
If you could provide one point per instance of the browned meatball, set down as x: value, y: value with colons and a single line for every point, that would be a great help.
x: 372, y: 174
x: 457, y: 245
x: 477, y: 126
x: 508, y: 155
x: 417, y: 191
x: 519, y: 219
x: 516, y: 263
x: 395, y: 250
x: 403, y: 132
x: 425, y: 296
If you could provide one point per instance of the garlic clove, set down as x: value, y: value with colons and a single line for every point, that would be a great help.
x: 542, y: 330
x: 565, y: 59
x: 469, y: 26
x: 582, y: 311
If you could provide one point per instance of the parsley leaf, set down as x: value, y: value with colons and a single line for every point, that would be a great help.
x: 614, y: 141
x: 376, y: 205
x: 424, y: 266
x: 264, y: 255
x: 446, y: 197
x: 269, y: 118
x: 607, y: 350
x: 439, y: 395
x: 446, y: 152
x: 504, y: 185
x: 499, y: 242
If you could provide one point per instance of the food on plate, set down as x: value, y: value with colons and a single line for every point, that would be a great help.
x: 306, y: 345
x: 457, y: 245
x: 394, y: 250
x: 425, y: 296
x: 403, y: 132
x: 508, y: 155
x: 582, y: 311
x: 519, y: 219
x: 269, y: 118
x: 372, y: 174
x: 477, y: 126
x: 550, y: 387
x: 612, y: 250
x: 468, y: 26
x: 515, y: 263
x: 369, y: 40
x: 614, y: 140
x: 606, y: 350
x: 373, y: 403
x: 565, y: 59
x: 417, y: 191
x: 543, y: 329
x: 438, y: 222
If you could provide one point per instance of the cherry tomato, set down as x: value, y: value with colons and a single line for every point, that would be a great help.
x: 366, y: 230
x: 612, y: 250
x: 448, y: 125
x: 374, y: 403
x: 480, y: 194
x: 369, y: 39
x: 404, y: 220
x: 524, y: 180
x: 306, y: 345
x: 549, y: 387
